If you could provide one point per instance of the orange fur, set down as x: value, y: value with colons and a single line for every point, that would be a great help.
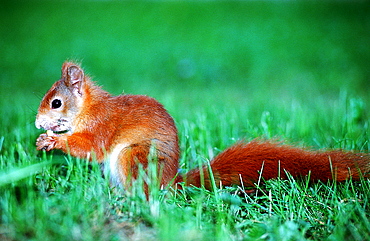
x: 101, y: 122
x: 246, y: 162
x: 121, y: 130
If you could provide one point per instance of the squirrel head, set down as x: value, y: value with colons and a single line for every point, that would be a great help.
x: 63, y: 101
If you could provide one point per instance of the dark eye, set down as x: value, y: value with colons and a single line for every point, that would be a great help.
x: 56, y: 103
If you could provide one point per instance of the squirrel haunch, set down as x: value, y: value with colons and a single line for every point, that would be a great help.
x: 122, y: 130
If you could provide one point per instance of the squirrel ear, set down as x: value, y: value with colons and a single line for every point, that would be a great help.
x: 74, y: 78
x: 75, y: 74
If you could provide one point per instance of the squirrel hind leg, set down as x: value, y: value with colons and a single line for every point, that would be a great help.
x: 125, y: 160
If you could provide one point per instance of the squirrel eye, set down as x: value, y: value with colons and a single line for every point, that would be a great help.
x: 56, y: 103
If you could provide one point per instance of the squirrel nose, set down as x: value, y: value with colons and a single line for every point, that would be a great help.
x: 40, y: 122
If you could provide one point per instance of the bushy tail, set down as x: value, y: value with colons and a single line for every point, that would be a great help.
x: 246, y: 162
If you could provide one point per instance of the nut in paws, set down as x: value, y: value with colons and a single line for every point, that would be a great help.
x: 45, y: 142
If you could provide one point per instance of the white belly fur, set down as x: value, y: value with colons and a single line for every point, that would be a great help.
x: 111, y: 166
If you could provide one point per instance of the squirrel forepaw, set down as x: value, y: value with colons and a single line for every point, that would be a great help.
x: 45, y: 142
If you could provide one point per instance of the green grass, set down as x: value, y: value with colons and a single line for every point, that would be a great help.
x: 226, y: 71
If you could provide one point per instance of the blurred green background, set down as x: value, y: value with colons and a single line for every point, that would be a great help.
x: 188, y: 54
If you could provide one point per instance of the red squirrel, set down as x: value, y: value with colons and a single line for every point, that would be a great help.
x: 84, y: 120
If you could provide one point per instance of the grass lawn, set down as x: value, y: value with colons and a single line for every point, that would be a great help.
x: 296, y: 71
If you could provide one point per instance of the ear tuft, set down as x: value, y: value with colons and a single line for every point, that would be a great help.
x: 66, y: 66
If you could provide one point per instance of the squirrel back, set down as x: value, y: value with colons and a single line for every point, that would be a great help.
x: 87, y: 122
